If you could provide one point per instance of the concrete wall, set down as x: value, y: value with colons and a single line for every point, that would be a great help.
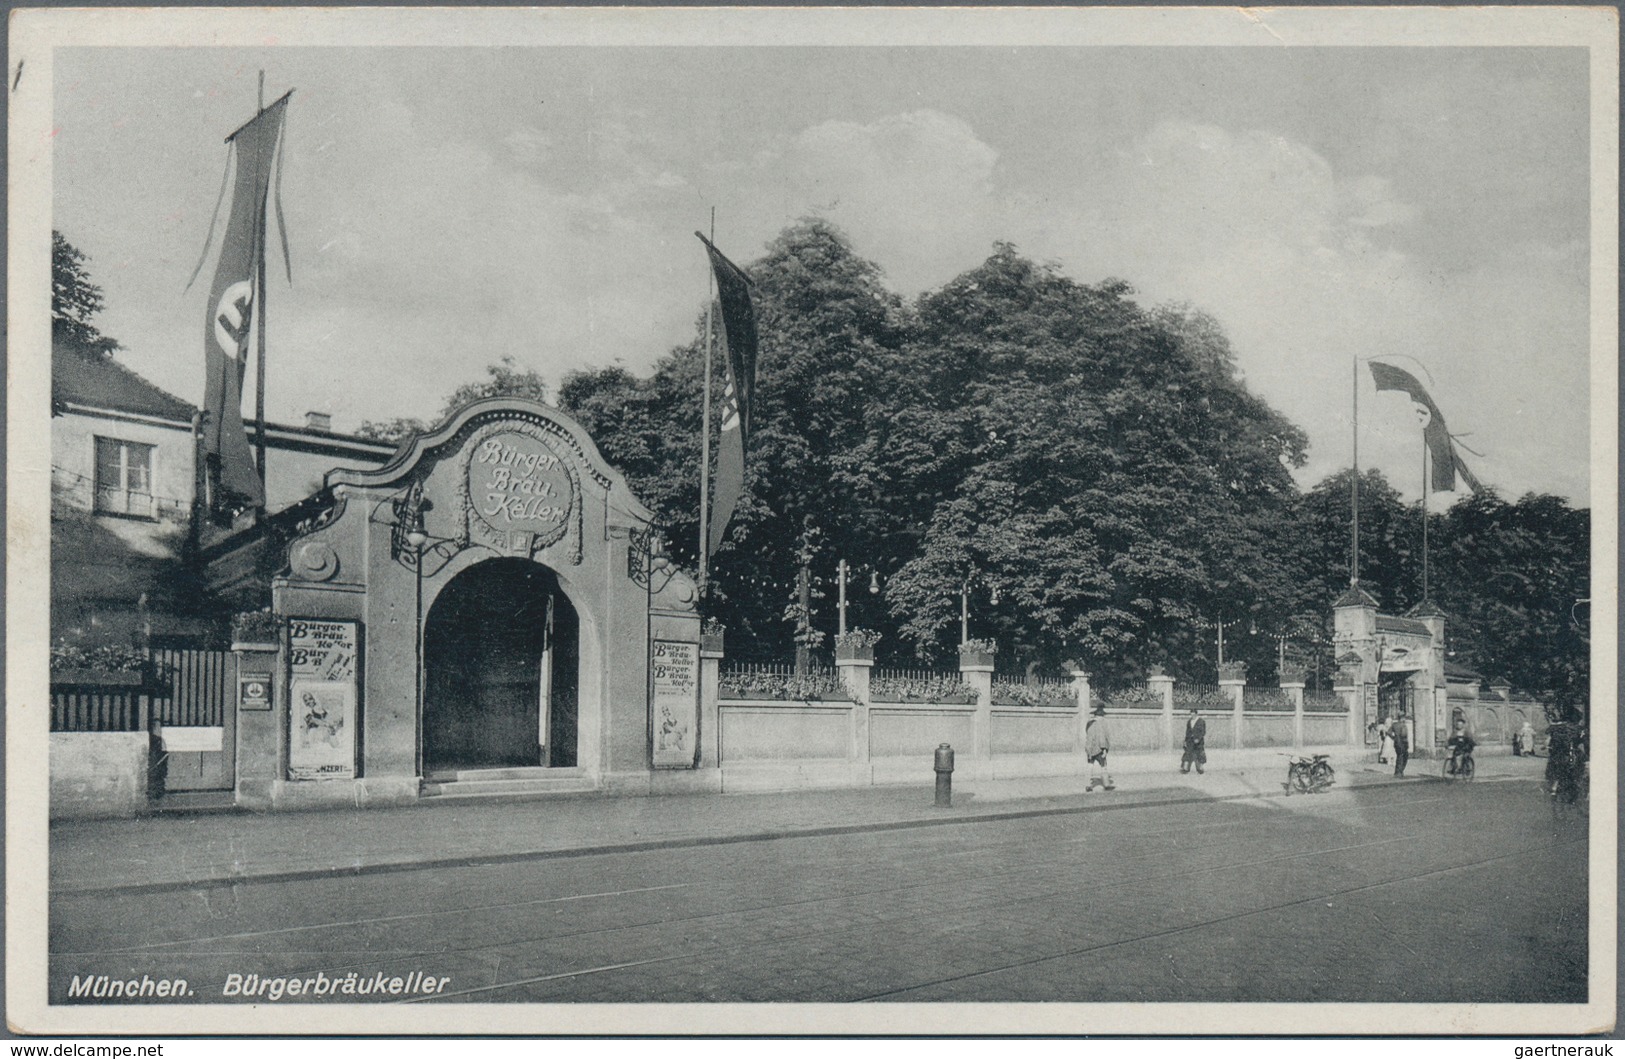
x: 906, y: 729
x: 1325, y: 729
x: 1136, y: 730
x: 98, y: 774
x: 1267, y: 729
x: 1035, y: 730
x: 1221, y: 729
x: 786, y: 731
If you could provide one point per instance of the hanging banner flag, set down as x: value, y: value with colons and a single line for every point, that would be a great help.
x: 739, y: 336
x: 1446, y: 462
x: 232, y: 480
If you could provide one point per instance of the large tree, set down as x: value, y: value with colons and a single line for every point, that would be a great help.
x: 1101, y: 466
x: 829, y: 335
x: 76, y: 301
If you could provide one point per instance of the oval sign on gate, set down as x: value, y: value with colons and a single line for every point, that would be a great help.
x: 519, y: 487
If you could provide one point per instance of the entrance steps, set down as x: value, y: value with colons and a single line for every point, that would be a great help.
x: 505, y: 782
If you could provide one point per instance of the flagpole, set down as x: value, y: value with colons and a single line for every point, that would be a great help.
x: 705, y: 422
x: 1354, y: 488
x: 259, y: 313
x: 1424, y: 516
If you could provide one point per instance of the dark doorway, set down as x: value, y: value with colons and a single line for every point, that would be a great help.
x: 500, y: 663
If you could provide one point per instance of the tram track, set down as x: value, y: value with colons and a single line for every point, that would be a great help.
x: 1165, y: 855
x: 1117, y: 859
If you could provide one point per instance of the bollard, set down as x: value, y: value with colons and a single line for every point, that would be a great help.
x: 945, y: 776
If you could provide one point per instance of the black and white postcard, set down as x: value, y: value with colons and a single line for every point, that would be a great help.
x: 812, y: 520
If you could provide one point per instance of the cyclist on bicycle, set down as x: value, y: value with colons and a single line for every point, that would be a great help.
x: 1565, y: 759
x: 1460, y: 744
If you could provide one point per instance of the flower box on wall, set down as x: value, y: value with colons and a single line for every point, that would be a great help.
x: 854, y: 653
x: 711, y: 643
x: 1233, y: 671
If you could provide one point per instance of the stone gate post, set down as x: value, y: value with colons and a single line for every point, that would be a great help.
x: 1162, y: 686
x: 1233, y: 679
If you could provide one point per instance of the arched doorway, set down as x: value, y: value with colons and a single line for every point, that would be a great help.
x: 501, y: 658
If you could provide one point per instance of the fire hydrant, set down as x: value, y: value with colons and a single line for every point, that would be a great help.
x: 945, y: 776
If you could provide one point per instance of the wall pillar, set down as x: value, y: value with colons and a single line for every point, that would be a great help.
x: 1236, y: 687
x: 1080, y: 691
x: 1352, y: 688
x: 854, y: 673
x: 1162, y: 686
x: 980, y: 678
x: 1294, y: 692
x: 711, y: 655
x: 259, y: 732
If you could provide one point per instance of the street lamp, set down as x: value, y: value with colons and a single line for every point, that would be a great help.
x: 843, y: 569
x: 1220, y: 626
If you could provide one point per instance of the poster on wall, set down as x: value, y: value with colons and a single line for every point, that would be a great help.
x: 674, y: 703
x: 322, y: 699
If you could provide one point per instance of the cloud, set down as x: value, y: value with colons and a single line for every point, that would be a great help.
x: 1308, y: 268
x: 917, y: 188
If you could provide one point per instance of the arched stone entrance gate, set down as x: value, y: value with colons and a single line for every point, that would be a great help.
x: 483, y: 601
x: 500, y: 670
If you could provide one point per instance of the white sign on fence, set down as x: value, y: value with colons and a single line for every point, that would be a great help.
x: 194, y: 740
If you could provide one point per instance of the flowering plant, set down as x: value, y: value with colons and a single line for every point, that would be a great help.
x: 782, y: 686
x: 942, y: 687
x: 986, y: 647
x: 1133, y: 697
x: 1201, y: 696
x: 255, y: 626
x: 1013, y: 693
x: 857, y: 638
x: 113, y: 658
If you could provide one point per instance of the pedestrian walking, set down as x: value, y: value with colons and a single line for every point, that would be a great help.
x: 1385, y: 740
x: 1195, y: 742
x: 1525, y: 740
x: 1097, y: 743
x: 1402, y: 745
x: 157, y: 760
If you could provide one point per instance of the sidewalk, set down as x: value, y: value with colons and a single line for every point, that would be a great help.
x: 171, y: 850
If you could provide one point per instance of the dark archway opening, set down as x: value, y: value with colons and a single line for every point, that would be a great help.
x: 501, y: 661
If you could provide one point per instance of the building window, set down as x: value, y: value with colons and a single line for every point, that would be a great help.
x: 124, y: 478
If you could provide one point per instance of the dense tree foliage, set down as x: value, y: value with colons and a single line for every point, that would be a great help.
x: 1092, y: 473
x: 76, y: 301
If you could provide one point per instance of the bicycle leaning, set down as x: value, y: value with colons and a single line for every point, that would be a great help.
x: 1309, y: 775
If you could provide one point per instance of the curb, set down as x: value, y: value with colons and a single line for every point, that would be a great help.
x: 692, y: 842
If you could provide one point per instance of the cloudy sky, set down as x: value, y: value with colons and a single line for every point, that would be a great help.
x: 448, y: 206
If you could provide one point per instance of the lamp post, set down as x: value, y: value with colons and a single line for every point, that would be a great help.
x: 964, y: 606
x: 417, y: 537
x: 1220, y: 626
x: 843, y: 570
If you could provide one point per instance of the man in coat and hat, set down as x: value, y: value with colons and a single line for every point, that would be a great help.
x: 1097, y: 743
x: 1195, y: 742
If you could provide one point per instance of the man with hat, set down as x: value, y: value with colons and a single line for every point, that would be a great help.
x: 1195, y: 742
x: 1097, y: 743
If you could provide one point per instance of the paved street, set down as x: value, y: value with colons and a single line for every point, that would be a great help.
x: 1420, y: 891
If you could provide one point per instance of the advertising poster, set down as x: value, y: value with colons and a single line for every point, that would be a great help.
x: 322, y: 699
x: 675, y: 702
